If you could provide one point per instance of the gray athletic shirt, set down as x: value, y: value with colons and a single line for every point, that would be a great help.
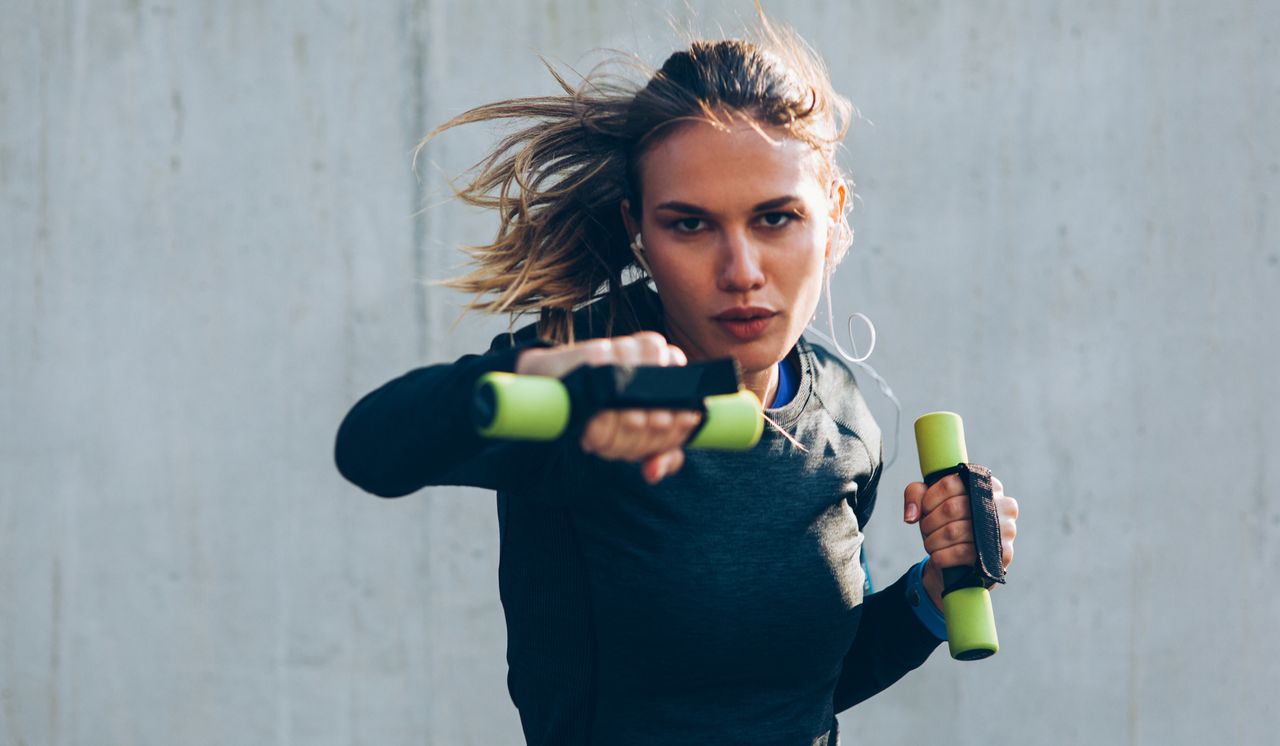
x: 722, y: 605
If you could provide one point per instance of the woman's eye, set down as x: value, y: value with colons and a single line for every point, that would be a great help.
x: 776, y: 219
x: 688, y: 225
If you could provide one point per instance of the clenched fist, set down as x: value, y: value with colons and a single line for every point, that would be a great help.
x: 652, y: 436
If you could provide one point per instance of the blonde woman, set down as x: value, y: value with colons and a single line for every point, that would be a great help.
x: 654, y: 595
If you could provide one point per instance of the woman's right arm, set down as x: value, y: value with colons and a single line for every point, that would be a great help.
x: 416, y: 431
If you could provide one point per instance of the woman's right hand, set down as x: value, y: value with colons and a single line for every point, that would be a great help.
x: 654, y: 437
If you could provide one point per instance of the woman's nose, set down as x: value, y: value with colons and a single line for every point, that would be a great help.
x: 740, y: 268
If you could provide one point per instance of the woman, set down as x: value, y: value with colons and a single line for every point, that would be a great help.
x: 653, y: 595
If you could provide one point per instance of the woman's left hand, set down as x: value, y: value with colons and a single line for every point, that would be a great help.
x: 946, y: 525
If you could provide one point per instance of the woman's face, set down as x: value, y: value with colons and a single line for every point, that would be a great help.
x: 735, y: 230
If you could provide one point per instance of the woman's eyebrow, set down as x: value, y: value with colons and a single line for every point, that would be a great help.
x: 776, y: 202
x: 769, y: 204
x: 682, y: 207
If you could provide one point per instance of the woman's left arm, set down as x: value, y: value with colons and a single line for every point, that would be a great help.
x: 890, y: 642
x: 891, y: 639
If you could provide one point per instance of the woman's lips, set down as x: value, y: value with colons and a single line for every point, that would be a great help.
x: 745, y: 325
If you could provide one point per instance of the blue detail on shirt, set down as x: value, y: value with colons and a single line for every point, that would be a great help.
x: 922, y: 604
x: 788, y: 385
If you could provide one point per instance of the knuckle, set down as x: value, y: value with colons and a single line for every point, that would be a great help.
x: 591, y: 434
x: 649, y: 338
x: 599, y: 448
x: 600, y: 435
x: 661, y: 419
x: 632, y: 420
x: 958, y: 531
x: 598, y: 352
x: 626, y: 346
x: 650, y: 343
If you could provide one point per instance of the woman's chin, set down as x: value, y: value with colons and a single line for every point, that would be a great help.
x: 753, y: 356
x: 757, y: 356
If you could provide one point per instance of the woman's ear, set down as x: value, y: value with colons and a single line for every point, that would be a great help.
x: 838, y: 235
x: 628, y: 220
x: 636, y: 242
x: 836, y: 196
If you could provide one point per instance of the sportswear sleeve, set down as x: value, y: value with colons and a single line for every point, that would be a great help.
x: 416, y: 431
x: 891, y: 641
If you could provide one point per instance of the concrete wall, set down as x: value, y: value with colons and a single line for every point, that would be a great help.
x: 208, y: 250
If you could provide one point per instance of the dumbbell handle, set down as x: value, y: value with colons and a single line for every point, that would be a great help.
x: 971, y: 623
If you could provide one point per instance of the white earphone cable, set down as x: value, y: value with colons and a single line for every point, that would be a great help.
x: 861, y: 362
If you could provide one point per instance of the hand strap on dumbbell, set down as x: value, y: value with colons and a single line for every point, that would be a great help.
x: 989, y: 569
x: 595, y: 388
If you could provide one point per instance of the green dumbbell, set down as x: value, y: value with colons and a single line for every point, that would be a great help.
x: 971, y: 622
x: 540, y: 408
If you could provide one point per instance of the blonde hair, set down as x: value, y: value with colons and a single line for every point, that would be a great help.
x: 557, y: 181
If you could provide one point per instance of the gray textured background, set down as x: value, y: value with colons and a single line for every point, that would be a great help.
x: 208, y: 251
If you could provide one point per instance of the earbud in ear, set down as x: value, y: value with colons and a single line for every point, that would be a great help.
x: 637, y: 248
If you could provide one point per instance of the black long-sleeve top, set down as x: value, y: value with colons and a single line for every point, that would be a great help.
x: 723, y: 605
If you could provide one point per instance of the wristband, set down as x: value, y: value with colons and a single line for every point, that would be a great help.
x: 922, y: 604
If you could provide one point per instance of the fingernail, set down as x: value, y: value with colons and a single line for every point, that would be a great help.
x: 912, y: 512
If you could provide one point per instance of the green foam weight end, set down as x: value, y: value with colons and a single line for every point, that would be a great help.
x: 733, y: 423
x: 940, y: 441
x: 971, y: 624
x: 521, y: 407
